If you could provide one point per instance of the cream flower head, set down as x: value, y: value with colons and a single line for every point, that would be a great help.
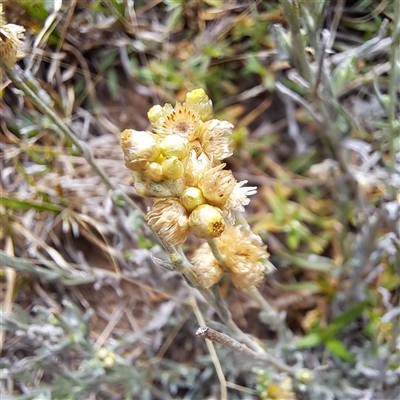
x: 168, y: 218
x: 215, y: 139
x: 217, y: 185
x: 11, y: 41
x: 207, y: 269
x: 195, y: 168
x: 241, y: 249
x: 180, y: 120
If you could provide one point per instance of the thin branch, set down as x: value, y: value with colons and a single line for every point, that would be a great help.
x: 211, y: 349
x: 227, y: 341
x: 281, y: 88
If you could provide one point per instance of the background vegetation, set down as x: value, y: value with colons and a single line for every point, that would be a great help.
x: 86, y: 313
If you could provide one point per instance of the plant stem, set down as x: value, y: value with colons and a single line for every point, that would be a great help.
x: 394, y: 83
x: 216, y: 253
x: 225, y: 340
x: 291, y: 12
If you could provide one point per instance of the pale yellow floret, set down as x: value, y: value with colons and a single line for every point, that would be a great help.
x: 168, y: 218
x: 217, y: 185
x: 206, y: 222
x: 192, y: 197
x: 206, y: 267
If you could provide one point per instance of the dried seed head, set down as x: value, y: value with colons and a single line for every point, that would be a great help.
x: 217, y: 185
x: 199, y: 100
x: 139, y: 148
x: 11, y: 41
x: 244, y: 255
x: 206, y: 222
x: 195, y: 167
x: 215, y: 139
x: 168, y: 218
x: 192, y: 197
x: 175, y: 145
x: 252, y: 278
x: 207, y: 269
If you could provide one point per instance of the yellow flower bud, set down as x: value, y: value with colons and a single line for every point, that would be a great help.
x: 206, y: 222
x: 155, y: 172
x: 192, y: 198
x: 172, y: 168
x: 175, y: 145
x: 155, y: 113
x: 304, y: 375
x: 139, y: 148
x: 199, y: 100
x: 196, y: 96
x: 102, y: 353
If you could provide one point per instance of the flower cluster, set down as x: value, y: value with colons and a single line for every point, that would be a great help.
x: 179, y: 165
x: 11, y: 41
